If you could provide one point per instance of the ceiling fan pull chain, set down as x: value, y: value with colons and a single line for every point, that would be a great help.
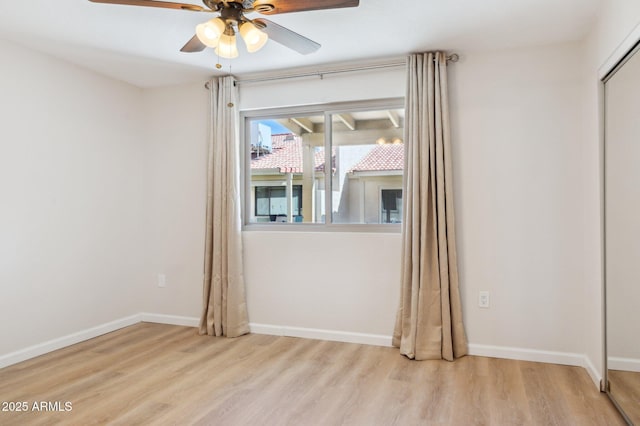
x: 218, y: 64
x: 230, y: 104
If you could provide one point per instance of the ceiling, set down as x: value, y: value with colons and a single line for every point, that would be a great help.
x: 141, y: 45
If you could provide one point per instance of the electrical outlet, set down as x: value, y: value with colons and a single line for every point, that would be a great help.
x: 162, y: 280
x: 483, y: 299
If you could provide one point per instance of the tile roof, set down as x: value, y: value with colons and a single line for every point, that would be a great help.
x: 286, y: 156
x: 382, y: 157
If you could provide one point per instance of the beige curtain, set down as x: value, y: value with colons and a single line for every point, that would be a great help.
x: 429, y: 321
x: 224, y: 310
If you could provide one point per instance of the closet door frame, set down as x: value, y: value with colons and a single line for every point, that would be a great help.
x: 629, y: 48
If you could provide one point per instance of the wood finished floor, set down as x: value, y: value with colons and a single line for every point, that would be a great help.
x: 625, y: 388
x: 168, y: 375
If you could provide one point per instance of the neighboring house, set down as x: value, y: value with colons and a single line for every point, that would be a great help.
x: 367, y: 182
x: 374, y: 192
x: 278, y: 179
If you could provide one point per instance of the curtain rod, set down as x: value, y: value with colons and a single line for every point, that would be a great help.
x: 452, y: 58
x: 321, y: 74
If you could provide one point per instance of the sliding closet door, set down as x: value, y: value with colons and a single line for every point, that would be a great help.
x: 622, y: 235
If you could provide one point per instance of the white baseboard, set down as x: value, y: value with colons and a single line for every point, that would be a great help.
x: 521, y: 354
x: 596, y: 377
x: 535, y: 355
x: 80, y: 336
x: 68, y: 340
x: 170, y: 319
x: 318, y: 334
x: 624, y: 364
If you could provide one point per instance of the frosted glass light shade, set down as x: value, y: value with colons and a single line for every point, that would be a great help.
x: 227, y: 46
x: 253, y: 37
x: 209, y: 32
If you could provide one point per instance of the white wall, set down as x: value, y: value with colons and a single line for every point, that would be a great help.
x: 374, y: 84
x: 102, y: 187
x: 176, y: 120
x: 71, y: 195
x: 329, y: 281
x: 516, y: 134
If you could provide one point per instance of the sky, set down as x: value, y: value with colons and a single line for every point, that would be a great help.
x: 276, y: 128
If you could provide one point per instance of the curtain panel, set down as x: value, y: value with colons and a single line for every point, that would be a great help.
x: 429, y: 320
x: 224, y: 311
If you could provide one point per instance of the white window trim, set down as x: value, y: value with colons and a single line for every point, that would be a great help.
x: 246, y: 116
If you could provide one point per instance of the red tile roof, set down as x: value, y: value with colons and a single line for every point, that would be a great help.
x: 286, y: 156
x: 382, y: 157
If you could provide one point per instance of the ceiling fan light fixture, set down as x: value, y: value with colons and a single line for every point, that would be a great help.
x: 253, y: 37
x: 219, y: 33
x: 209, y: 32
x: 227, y: 46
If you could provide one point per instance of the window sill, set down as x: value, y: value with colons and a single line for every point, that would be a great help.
x: 322, y: 227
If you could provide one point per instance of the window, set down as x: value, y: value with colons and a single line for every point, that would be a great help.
x: 286, y: 169
x: 272, y: 201
x: 391, y: 206
x: 339, y: 164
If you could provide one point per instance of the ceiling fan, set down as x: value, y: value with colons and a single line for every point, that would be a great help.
x: 220, y: 32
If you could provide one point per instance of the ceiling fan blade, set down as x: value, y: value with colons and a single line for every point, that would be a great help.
x: 287, y: 6
x: 152, y: 3
x: 193, y: 45
x: 286, y: 37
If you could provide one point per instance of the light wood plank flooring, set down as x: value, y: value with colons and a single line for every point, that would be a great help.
x: 168, y: 375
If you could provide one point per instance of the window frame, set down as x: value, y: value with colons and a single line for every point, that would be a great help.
x: 297, y: 188
x: 381, y: 189
x: 326, y: 110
